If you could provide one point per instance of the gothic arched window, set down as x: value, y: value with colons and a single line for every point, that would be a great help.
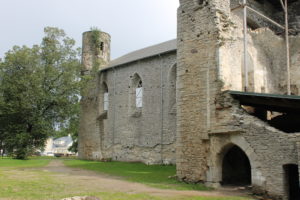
x: 172, y: 89
x: 139, y: 94
x: 105, y: 97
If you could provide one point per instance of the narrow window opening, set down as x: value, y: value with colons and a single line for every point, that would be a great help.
x: 105, y: 98
x: 106, y: 102
x: 101, y: 46
x: 172, y: 90
x: 139, y: 95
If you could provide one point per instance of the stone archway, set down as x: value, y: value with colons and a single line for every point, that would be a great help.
x: 222, y: 145
x: 236, y: 168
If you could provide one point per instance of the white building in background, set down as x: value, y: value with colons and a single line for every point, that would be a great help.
x: 58, y: 147
x: 48, y: 151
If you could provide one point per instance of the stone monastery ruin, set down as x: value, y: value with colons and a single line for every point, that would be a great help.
x: 221, y: 102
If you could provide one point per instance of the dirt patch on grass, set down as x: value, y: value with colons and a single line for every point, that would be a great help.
x: 86, y: 181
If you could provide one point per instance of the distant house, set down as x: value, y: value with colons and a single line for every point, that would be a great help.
x: 58, y: 147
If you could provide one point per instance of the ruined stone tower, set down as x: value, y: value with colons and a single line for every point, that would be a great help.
x: 95, y: 50
x: 199, y: 38
x: 95, y: 56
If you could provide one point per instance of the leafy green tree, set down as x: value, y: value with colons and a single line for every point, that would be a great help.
x: 39, y: 91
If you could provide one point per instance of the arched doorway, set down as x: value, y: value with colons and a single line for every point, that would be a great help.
x: 292, y: 181
x: 236, y: 168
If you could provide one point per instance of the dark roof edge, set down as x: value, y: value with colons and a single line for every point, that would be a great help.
x: 125, y: 63
x: 281, y: 96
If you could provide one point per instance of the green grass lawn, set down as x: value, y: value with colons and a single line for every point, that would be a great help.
x: 14, y: 163
x: 153, y: 175
x: 24, y: 180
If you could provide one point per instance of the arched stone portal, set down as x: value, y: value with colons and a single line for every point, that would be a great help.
x: 236, y: 168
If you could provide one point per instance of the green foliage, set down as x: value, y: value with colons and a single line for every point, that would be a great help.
x: 153, y: 175
x: 95, y: 38
x: 95, y: 43
x: 88, y: 80
x: 39, y: 91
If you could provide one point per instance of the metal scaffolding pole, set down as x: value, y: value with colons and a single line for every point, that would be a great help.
x: 245, y: 45
x: 265, y: 17
x: 287, y: 48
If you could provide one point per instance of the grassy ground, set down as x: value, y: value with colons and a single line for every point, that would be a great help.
x: 14, y: 163
x: 152, y: 175
x: 23, y: 180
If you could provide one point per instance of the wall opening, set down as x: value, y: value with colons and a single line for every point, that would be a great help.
x: 105, y: 97
x: 292, y: 181
x: 136, y: 95
x: 101, y: 46
x: 139, y: 95
x: 236, y: 168
x: 286, y: 122
x: 172, y: 89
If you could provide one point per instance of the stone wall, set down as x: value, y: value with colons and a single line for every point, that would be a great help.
x: 210, y: 60
x: 267, y: 148
x: 198, y: 40
x: 93, y: 53
x: 128, y: 133
x: 94, y: 57
x: 186, y: 116
x: 294, y: 16
x: 266, y: 56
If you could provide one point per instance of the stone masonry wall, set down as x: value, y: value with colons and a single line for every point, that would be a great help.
x: 127, y: 133
x: 210, y: 57
x: 267, y: 148
x: 199, y: 25
x: 266, y: 58
x: 92, y: 55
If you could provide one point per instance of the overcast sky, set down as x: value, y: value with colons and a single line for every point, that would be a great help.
x: 132, y: 24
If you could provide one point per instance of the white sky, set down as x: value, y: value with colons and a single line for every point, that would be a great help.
x: 132, y: 24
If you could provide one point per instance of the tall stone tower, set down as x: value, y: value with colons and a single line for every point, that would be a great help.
x: 95, y: 50
x: 200, y: 26
x: 95, y: 56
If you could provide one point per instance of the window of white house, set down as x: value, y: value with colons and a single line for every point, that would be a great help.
x: 105, y: 101
x: 139, y: 95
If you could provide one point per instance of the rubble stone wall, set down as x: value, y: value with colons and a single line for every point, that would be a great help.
x: 128, y: 133
x: 210, y: 60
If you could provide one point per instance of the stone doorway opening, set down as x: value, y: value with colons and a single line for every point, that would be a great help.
x: 292, y: 181
x: 236, y: 168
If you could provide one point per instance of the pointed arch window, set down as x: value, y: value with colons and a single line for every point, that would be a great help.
x: 105, y: 97
x: 172, y: 89
x: 139, y: 94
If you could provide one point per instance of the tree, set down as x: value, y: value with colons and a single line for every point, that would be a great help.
x: 39, y: 91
